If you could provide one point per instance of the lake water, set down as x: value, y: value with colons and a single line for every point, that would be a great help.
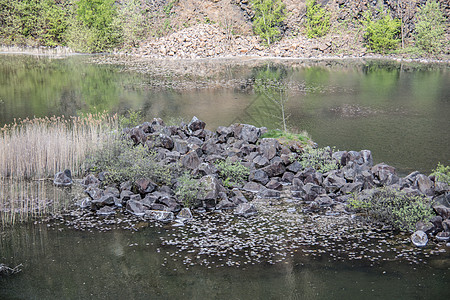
x: 399, y: 111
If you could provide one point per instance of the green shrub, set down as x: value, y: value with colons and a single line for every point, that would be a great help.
x: 430, y: 28
x: 268, y: 15
x: 93, y: 28
x: 232, y: 173
x: 188, y: 189
x: 319, y: 159
x: 382, y: 34
x: 393, y: 207
x: 121, y: 160
x: 317, y: 19
x: 442, y: 173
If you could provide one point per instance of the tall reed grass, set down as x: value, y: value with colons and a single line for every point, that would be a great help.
x: 40, y: 147
x: 37, y: 149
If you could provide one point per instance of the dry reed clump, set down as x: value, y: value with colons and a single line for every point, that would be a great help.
x: 40, y: 147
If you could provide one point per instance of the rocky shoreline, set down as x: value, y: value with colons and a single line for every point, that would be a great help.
x: 281, y: 208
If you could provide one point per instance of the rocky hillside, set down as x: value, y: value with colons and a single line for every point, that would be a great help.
x: 211, y: 28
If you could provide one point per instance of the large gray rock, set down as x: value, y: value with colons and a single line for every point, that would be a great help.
x: 259, y: 176
x: 190, y: 160
x: 385, y: 174
x: 165, y: 141
x: 268, y: 148
x: 352, y: 187
x: 245, y: 210
x: 180, y: 145
x: 442, y: 210
x: 196, y: 124
x: 425, y: 185
x: 145, y: 186
x: 269, y: 194
x: 90, y: 180
x: 261, y: 161
x: 252, y: 187
x: 135, y: 207
x: 63, y: 178
x: 171, y: 203
x: 211, y: 188
x: 247, y: 133
x: 94, y: 192
x: 105, y: 200
x: 333, y: 182
x: 274, y: 169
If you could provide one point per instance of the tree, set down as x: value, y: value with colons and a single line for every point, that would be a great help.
x: 269, y: 14
x: 269, y: 82
x: 430, y: 28
x: 93, y: 28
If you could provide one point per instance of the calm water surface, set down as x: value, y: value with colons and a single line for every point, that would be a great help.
x: 68, y: 264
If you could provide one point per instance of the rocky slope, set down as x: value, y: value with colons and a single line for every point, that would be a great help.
x: 222, y: 28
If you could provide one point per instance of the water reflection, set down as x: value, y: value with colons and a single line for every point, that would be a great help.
x: 399, y: 111
x: 65, y: 264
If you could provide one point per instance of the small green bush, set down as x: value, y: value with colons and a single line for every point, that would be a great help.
x: 430, y: 28
x: 317, y: 19
x: 394, y: 208
x: 382, y: 34
x: 442, y: 173
x: 319, y: 159
x: 131, y: 119
x: 121, y: 160
x: 268, y: 15
x: 188, y: 189
x: 232, y: 173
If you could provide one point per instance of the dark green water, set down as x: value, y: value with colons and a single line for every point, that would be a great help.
x: 70, y: 264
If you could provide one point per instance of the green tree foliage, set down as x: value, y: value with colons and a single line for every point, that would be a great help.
x: 317, y: 19
x: 430, y: 28
x: 93, y: 28
x: 269, y: 14
x: 381, y: 34
x: 33, y: 22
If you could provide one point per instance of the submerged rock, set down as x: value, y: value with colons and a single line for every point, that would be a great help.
x: 161, y: 216
x: 419, y: 238
x: 245, y: 210
x: 106, y: 211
